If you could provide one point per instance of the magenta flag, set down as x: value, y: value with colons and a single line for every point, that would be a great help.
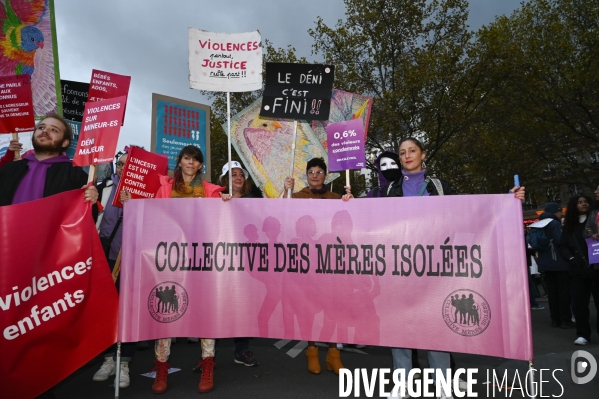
x: 445, y: 273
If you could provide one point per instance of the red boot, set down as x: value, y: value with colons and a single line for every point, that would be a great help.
x: 207, y: 378
x: 161, y: 368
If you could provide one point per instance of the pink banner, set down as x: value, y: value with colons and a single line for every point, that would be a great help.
x: 445, y: 273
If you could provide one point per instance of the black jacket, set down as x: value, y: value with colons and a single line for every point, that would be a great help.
x: 60, y: 177
x: 395, y: 189
x: 574, y: 250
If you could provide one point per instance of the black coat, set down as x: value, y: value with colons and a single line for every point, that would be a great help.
x: 396, y: 189
x: 60, y: 177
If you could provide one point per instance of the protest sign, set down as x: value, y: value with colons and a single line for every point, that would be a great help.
x: 297, y: 91
x: 264, y: 146
x: 141, y: 174
x: 16, y: 104
x: 593, y: 250
x: 99, y: 131
x: 58, y: 308
x: 345, y: 106
x: 333, y: 266
x: 38, y: 58
x: 230, y: 62
x: 178, y: 123
x: 105, y: 85
x: 346, y: 145
x: 74, y: 97
x: 76, y: 128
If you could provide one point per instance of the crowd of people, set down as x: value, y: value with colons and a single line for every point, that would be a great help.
x: 564, y: 262
x: 570, y: 278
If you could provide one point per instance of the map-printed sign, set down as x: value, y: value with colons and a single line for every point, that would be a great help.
x: 16, y: 104
x: 297, y: 91
x: 225, y: 61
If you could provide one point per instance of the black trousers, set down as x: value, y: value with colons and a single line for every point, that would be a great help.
x: 582, y: 289
x: 558, y: 291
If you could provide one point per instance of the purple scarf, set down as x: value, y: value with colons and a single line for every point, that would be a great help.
x: 32, y: 185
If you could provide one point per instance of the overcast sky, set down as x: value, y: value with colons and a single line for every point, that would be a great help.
x: 147, y: 40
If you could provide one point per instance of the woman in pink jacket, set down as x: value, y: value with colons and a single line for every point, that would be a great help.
x: 187, y: 183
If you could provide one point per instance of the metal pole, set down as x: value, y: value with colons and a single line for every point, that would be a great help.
x: 292, y: 155
x: 229, y: 141
x: 531, y: 369
x: 117, y: 377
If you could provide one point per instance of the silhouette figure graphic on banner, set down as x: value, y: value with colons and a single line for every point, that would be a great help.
x: 168, y: 300
x: 306, y: 310
x: 356, y: 291
x: 467, y: 309
x: 272, y: 281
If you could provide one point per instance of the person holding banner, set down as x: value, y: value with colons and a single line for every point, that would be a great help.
x: 111, y: 235
x: 316, y: 172
x: 242, y: 188
x: 46, y: 171
x: 187, y: 183
x: 412, y: 181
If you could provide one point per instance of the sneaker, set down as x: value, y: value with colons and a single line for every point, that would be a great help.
x: 124, y: 379
x: 581, y: 341
x: 106, y: 370
x: 207, y: 378
x: 573, y: 319
x: 462, y: 384
x: 445, y: 397
x: 538, y: 307
x: 246, y: 358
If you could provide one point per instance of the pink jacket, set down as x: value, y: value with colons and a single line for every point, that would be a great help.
x: 166, y: 186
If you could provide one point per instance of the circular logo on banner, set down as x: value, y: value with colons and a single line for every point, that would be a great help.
x: 167, y: 302
x: 466, y: 312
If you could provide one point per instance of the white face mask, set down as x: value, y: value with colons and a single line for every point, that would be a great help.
x: 388, y: 163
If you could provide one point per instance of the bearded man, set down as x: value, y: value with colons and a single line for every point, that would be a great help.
x: 46, y: 171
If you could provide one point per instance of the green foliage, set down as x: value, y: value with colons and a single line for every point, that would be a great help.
x: 411, y: 57
x: 541, y: 83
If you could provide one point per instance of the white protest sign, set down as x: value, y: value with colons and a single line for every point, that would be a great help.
x: 228, y: 62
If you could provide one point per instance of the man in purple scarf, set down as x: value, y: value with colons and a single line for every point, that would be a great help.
x: 46, y: 171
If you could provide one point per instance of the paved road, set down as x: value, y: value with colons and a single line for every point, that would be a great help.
x: 280, y: 375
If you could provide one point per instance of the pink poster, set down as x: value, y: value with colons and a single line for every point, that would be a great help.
x: 443, y: 273
x: 99, y: 131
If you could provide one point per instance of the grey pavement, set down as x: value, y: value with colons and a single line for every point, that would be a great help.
x: 280, y: 375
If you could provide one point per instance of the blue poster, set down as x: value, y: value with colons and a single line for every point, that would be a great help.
x: 75, y: 126
x: 178, y: 126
